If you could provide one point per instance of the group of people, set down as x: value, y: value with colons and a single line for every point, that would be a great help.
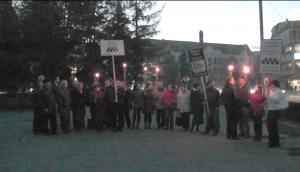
x: 110, y: 108
x: 241, y: 106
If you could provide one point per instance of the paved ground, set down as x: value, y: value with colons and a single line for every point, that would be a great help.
x: 136, y: 150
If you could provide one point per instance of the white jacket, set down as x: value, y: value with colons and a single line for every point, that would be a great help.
x: 183, y: 101
x: 276, y: 100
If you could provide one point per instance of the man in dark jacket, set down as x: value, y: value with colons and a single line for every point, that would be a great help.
x: 243, y: 98
x: 197, y: 109
x: 230, y: 101
x: 109, y: 104
x: 213, y: 99
x: 49, y: 108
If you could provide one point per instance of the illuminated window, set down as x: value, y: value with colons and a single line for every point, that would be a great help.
x: 296, y: 56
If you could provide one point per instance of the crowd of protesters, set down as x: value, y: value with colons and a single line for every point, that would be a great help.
x: 110, y: 108
x: 240, y: 106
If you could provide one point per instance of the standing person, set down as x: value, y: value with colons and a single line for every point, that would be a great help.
x: 184, y: 106
x: 65, y: 106
x: 276, y: 102
x: 109, y: 104
x: 213, y: 100
x: 99, y: 108
x: 57, y: 94
x: 243, y: 98
x: 160, y: 114
x: 257, y: 100
x: 196, y: 100
x: 127, y: 108
x: 169, y: 103
x: 37, y: 106
x: 78, y: 106
x: 137, y: 103
x: 149, y: 106
x: 230, y: 101
x: 49, y: 103
x: 119, y: 118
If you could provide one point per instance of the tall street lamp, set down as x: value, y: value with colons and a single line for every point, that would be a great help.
x: 125, y: 70
x: 145, y: 73
x: 157, y: 69
x: 246, y: 70
x: 230, y: 69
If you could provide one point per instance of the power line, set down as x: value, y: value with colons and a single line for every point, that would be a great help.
x: 275, y: 10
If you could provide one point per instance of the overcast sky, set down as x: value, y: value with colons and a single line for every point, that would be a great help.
x: 231, y: 22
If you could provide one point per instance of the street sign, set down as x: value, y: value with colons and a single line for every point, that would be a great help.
x: 198, y: 62
x: 270, y: 53
x: 112, y: 47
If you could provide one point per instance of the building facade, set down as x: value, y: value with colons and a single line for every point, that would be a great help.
x: 289, y: 33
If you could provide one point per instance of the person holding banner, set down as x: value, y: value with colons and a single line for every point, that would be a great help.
x: 197, y: 109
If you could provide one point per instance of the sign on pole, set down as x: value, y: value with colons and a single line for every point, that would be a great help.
x: 112, y: 48
x: 198, y: 62
x: 270, y: 53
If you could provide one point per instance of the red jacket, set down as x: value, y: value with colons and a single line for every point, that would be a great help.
x: 257, y: 104
x: 169, y: 99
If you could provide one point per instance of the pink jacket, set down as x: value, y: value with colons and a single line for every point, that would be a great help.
x: 257, y: 104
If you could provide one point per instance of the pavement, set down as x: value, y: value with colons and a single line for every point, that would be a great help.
x: 141, y: 150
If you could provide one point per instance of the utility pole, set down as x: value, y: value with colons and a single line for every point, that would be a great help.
x: 261, y: 21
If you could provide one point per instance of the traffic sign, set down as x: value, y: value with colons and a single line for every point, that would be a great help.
x: 198, y: 63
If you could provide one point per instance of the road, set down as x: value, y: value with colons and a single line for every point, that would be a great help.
x: 136, y: 150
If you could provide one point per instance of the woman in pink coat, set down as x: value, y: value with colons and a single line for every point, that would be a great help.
x: 257, y: 100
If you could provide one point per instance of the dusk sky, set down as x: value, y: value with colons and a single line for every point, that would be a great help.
x: 230, y: 22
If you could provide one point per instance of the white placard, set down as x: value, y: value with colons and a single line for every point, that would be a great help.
x: 270, y: 53
x: 112, y: 47
x: 198, y: 63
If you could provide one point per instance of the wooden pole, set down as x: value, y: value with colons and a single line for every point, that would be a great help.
x: 114, y: 73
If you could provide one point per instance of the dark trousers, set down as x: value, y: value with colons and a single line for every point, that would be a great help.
x: 212, y: 121
x: 169, y: 118
x: 257, y: 125
x: 93, y: 111
x: 160, y: 118
x: 65, y: 119
x: 127, y: 117
x: 109, y: 116
x: 78, y: 118
x: 185, y: 117
x: 119, y: 116
x: 273, y: 116
x: 136, y: 117
x: 51, y: 117
x: 197, y: 120
x: 243, y: 121
x: 231, y: 120
x: 99, y: 118
x: 148, y: 120
x: 38, y: 127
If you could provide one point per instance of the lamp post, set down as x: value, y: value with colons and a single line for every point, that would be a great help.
x: 145, y: 73
x: 157, y: 69
x: 230, y: 69
x: 246, y: 70
x: 125, y: 70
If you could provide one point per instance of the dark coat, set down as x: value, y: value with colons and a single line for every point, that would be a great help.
x: 149, y: 102
x: 109, y: 96
x: 48, y: 100
x: 213, y: 98
x: 196, y: 100
x: 79, y: 100
x: 229, y: 98
x: 243, y: 96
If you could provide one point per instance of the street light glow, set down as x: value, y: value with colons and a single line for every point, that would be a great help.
x: 157, y: 69
x: 124, y: 65
x: 246, y: 69
x: 145, y: 68
x: 230, y: 67
x: 97, y: 74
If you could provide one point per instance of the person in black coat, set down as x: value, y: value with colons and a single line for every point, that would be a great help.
x: 230, y: 101
x: 49, y: 108
x: 197, y: 109
x: 213, y: 100
x: 79, y: 101
x: 109, y: 105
